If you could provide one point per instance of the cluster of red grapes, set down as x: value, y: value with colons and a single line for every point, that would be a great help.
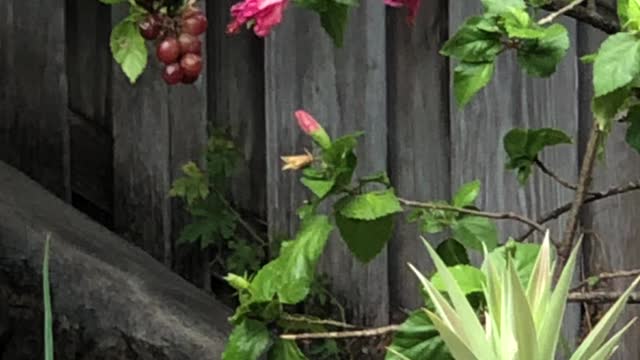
x: 179, y: 46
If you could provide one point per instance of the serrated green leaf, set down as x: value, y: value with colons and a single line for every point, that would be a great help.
x: 501, y: 6
x: 286, y: 350
x: 617, y: 63
x: 319, y: 187
x: 334, y: 20
x: 469, y: 78
x: 633, y: 131
x: 472, y: 44
x: 473, y: 231
x: 290, y: 274
x: 519, y: 25
x: 365, y: 238
x: 248, y: 340
x: 369, y: 206
x: 629, y: 13
x: 128, y: 48
x: 606, y: 107
x: 467, y: 194
x: 417, y: 339
x: 469, y: 278
x: 453, y: 253
x: 540, y: 56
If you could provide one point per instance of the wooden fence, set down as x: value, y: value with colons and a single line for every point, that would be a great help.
x: 70, y: 120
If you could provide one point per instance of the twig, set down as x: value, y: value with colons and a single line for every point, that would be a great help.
x: 606, y: 276
x: 342, y: 334
x: 588, y: 15
x: 242, y: 222
x: 308, y: 320
x: 555, y: 176
x: 584, y: 181
x: 554, y: 214
x: 549, y: 18
x: 490, y: 215
x: 602, y: 297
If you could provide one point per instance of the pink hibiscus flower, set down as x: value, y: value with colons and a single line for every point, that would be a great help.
x: 264, y: 13
x: 412, y: 5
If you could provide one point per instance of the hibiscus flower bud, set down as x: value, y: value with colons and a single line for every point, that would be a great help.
x: 312, y: 128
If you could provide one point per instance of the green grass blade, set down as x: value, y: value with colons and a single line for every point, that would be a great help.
x: 46, y: 291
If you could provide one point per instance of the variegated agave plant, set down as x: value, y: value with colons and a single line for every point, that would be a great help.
x: 520, y: 324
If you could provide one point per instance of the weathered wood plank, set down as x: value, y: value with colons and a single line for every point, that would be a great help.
x: 236, y: 101
x: 33, y: 95
x: 418, y: 133
x: 513, y: 99
x: 88, y: 26
x: 611, y: 226
x: 345, y: 90
x: 141, y: 143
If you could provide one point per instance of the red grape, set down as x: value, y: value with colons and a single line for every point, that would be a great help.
x: 172, y: 74
x: 168, y: 50
x: 195, y: 24
x: 191, y: 65
x: 189, y: 44
x: 189, y: 79
x: 150, y: 27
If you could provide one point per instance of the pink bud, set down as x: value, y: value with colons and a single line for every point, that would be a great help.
x: 306, y: 122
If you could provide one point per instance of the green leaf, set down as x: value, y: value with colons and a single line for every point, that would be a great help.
x: 467, y: 194
x: 453, y: 253
x: 606, y: 107
x: 469, y: 78
x: 469, y: 278
x: 501, y: 6
x: 334, y: 20
x: 286, y: 350
x: 523, y: 258
x: 128, y: 48
x: 417, y: 339
x: 617, y: 63
x: 473, y: 231
x: 237, y: 282
x: 192, y: 186
x: 369, y: 206
x: 629, y: 13
x: 46, y: 296
x: 472, y: 44
x: 633, y: 131
x: 365, y: 238
x: 290, y: 274
x: 523, y: 146
x: 541, y: 56
x: 319, y: 187
x: 519, y: 25
x: 248, y: 340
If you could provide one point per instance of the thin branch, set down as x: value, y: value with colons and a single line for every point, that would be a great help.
x: 600, y: 17
x: 549, y: 18
x: 342, y: 334
x: 607, y: 276
x: 556, y: 213
x: 555, y: 176
x: 602, y: 297
x: 308, y: 320
x: 242, y: 222
x: 490, y: 215
x: 584, y: 181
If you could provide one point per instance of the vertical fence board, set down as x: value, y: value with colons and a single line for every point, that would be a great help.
x: 514, y: 99
x: 141, y: 142
x: 33, y: 94
x: 418, y: 133
x: 236, y: 101
x: 88, y: 26
x: 188, y: 133
x: 611, y: 226
x: 345, y: 90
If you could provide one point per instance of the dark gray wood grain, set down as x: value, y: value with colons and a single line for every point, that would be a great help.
x: 141, y: 143
x: 345, y: 90
x: 33, y: 95
x: 236, y: 102
x: 611, y: 226
x: 514, y: 99
x: 418, y: 133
